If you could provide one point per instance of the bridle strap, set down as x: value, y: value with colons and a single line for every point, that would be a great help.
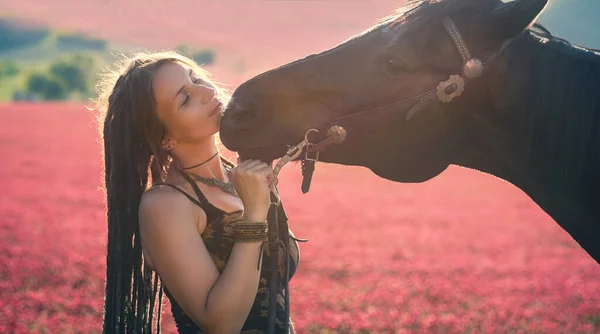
x: 363, y: 122
x: 459, y: 42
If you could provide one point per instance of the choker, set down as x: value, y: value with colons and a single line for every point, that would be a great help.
x: 200, y: 164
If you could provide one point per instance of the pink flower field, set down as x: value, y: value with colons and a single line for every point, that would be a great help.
x: 462, y: 253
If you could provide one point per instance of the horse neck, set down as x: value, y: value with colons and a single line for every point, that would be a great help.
x: 541, y: 132
x: 543, y: 113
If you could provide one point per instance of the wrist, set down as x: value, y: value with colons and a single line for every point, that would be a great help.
x: 254, y: 216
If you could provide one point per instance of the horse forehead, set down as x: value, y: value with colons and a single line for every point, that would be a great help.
x: 393, y: 30
x: 381, y: 29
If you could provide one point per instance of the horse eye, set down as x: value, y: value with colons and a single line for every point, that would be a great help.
x: 394, y: 65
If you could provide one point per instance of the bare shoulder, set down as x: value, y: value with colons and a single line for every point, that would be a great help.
x: 165, y: 205
x: 176, y: 251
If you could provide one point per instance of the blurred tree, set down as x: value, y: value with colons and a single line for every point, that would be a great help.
x: 185, y: 49
x: 46, y: 86
x: 9, y: 68
x: 76, y: 41
x: 78, y: 71
x: 22, y: 96
x: 205, y: 57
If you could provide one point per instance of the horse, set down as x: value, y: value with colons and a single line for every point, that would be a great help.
x: 473, y: 83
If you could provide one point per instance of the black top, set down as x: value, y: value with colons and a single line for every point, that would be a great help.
x: 218, y: 238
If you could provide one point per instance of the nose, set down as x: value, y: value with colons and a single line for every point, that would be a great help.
x: 240, y: 115
x: 206, y: 92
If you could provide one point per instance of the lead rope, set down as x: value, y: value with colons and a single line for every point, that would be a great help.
x: 335, y: 134
x: 274, y: 242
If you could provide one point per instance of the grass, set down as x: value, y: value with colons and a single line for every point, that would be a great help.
x: 462, y: 253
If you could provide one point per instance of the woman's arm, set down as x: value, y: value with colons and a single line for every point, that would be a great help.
x: 170, y: 236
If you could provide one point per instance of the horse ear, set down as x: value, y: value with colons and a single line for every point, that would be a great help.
x: 510, y: 18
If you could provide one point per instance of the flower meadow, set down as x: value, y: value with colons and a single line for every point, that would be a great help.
x: 462, y: 253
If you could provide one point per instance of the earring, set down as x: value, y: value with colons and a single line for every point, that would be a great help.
x: 169, y: 146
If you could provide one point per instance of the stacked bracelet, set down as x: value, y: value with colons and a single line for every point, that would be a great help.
x: 250, y: 231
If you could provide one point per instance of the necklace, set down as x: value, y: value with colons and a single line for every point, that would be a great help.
x: 225, y: 186
x: 202, y: 163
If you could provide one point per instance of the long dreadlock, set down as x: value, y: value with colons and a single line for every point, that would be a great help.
x: 132, y: 135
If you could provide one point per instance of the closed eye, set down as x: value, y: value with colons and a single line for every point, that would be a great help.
x: 185, y: 99
x: 195, y: 81
x: 194, y: 78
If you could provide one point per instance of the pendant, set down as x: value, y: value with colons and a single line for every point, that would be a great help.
x: 225, y: 186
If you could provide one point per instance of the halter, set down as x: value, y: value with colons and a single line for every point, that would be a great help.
x: 337, y: 132
x: 364, y: 121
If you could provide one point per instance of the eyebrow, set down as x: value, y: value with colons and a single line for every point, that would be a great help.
x: 182, y: 87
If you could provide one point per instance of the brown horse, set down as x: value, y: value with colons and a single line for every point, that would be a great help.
x: 467, y: 82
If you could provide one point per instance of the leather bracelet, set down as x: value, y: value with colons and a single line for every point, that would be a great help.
x: 250, y: 231
x: 249, y: 223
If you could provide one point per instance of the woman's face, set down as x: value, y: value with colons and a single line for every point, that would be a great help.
x: 188, y: 106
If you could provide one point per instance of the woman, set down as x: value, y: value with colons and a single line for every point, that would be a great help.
x: 178, y: 212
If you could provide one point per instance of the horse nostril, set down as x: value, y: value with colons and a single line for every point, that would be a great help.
x: 241, y: 114
x: 243, y: 117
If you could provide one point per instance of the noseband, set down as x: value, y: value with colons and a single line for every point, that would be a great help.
x: 355, y: 124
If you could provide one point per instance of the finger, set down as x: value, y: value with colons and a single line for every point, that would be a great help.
x: 260, y: 173
x: 265, y: 170
x: 256, y: 167
x: 250, y: 164
x: 245, y: 165
x: 267, y: 174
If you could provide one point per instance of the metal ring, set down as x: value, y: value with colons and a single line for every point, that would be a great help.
x: 306, y: 135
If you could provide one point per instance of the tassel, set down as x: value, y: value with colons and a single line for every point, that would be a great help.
x: 308, y: 167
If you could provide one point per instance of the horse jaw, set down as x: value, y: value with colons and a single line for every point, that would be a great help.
x: 413, y: 176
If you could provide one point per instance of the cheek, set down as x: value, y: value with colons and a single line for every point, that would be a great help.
x: 197, y: 125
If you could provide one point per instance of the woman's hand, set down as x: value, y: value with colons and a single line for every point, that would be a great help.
x: 251, y: 180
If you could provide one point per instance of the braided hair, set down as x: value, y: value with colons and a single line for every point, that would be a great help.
x: 133, y: 157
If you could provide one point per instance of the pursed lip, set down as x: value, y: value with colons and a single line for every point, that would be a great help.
x: 217, y: 108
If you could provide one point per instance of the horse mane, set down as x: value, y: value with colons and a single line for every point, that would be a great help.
x: 419, y: 14
x: 560, y: 108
